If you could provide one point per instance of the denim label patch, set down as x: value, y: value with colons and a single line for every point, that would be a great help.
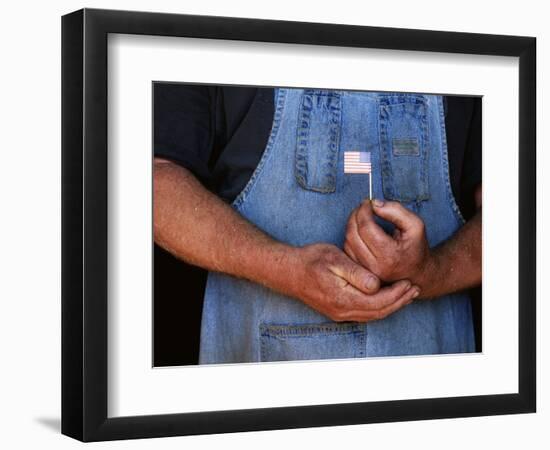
x: 405, y: 147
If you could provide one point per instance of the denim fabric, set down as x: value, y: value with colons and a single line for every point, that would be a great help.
x: 299, y: 194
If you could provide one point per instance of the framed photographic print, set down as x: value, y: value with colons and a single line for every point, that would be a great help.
x: 272, y: 224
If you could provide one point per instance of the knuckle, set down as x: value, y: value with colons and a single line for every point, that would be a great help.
x: 348, y: 229
x: 362, y: 217
x: 348, y: 245
x: 384, y: 271
x: 353, y: 272
x: 376, y: 315
x: 393, y: 261
x: 377, y: 269
x: 330, y: 252
x: 352, y: 253
x: 337, y: 316
x: 419, y: 224
x: 350, y: 224
x: 326, y: 256
x: 338, y: 304
x: 315, y: 260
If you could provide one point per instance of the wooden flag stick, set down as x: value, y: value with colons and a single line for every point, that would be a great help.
x: 370, y: 186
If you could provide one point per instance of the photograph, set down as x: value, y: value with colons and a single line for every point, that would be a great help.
x: 308, y: 224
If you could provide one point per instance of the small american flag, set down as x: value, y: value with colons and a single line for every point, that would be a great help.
x: 357, y: 162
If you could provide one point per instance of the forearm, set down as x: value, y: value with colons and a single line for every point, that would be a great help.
x: 454, y: 265
x: 198, y: 227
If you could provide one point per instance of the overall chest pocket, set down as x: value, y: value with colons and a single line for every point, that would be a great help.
x: 318, y: 140
x: 312, y: 341
x: 404, y: 147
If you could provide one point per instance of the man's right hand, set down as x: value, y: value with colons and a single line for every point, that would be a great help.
x: 326, y: 279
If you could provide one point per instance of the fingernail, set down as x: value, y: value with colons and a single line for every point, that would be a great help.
x: 371, y: 283
x: 407, y: 285
x: 416, y: 293
x: 378, y: 203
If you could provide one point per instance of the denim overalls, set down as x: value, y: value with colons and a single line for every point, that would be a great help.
x: 299, y: 194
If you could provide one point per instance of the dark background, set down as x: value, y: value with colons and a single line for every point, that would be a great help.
x: 178, y: 292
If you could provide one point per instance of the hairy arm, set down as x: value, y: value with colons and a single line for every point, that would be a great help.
x: 454, y: 265
x: 195, y: 225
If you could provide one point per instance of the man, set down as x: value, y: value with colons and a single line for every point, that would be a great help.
x: 297, y: 269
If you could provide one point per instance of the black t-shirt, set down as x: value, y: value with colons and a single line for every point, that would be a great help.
x: 220, y: 132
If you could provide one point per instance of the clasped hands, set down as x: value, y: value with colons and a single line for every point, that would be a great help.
x: 376, y: 274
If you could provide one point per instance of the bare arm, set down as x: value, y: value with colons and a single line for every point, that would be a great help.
x: 455, y: 265
x: 198, y: 227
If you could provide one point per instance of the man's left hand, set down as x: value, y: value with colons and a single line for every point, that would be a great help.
x: 405, y: 255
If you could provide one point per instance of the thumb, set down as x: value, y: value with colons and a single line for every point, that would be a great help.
x: 356, y: 275
x: 394, y: 212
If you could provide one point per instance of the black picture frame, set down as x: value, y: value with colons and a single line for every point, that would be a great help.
x: 84, y: 224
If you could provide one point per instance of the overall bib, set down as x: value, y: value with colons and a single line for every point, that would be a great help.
x: 300, y: 195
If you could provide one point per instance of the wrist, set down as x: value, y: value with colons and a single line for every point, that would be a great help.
x: 427, y: 275
x: 276, y: 267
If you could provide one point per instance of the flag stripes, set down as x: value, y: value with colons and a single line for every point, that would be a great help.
x: 357, y: 162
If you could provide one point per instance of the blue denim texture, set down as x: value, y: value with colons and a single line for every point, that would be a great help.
x: 300, y: 195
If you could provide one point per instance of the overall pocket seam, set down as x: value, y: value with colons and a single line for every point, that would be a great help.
x: 327, y: 163
x: 290, y: 332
